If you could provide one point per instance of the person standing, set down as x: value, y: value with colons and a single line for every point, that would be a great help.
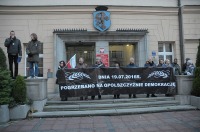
x: 132, y: 65
x: 117, y: 95
x: 60, y: 75
x: 167, y: 63
x: 150, y: 64
x: 161, y: 63
x: 82, y: 64
x: 98, y: 64
x: 189, y: 68
x: 33, y: 50
x: 176, y: 67
x: 184, y: 66
x: 14, y: 51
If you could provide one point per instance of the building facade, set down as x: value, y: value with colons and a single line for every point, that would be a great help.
x: 159, y: 28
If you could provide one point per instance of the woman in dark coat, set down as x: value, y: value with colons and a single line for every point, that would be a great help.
x: 60, y: 75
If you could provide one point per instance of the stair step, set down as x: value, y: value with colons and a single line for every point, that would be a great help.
x: 111, y: 111
x: 110, y: 101
x: 79, y: 107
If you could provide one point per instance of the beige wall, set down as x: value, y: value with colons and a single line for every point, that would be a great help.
x: 161, y: 27
x: 191, y: 47
x: 191, y: 28
x: 191, y: 25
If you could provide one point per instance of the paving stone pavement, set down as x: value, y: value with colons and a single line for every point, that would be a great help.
x: 182, y: 121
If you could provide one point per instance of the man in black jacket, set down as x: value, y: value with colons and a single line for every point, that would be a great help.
x: 14, y: 51
x: 150, y: 64
x: 98, y: 64
x: 132, y: 65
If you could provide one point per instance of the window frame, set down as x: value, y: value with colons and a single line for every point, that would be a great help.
x: 164, y: 53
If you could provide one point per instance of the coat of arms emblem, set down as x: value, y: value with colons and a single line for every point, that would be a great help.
x: 101, y: 20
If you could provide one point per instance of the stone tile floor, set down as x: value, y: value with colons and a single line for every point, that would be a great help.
x: 182, y: 121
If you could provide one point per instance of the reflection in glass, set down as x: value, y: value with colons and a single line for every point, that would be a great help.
x: 160, y: 47
x: 168, y: 47
x: 161, y: 57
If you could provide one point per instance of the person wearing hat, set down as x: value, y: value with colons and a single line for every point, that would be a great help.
x: 189, y: 68
x: 185, y: 65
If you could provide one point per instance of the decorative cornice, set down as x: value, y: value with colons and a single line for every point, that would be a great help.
x: 69, y: 30
x: 131, y: 30
x: 84, y: 9
x: 195, y: 9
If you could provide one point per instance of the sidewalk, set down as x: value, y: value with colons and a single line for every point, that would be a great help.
x: 184, y: 121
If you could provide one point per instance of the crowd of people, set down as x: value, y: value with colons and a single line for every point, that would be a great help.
x: 188, y: 69
x: 14, y: 51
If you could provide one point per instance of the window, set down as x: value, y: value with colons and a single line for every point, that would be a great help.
x: 165, y: 50
x: 40, y: 64
x: 116, y: 54
x: 85, y: 51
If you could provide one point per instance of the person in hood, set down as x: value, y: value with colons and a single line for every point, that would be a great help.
x: 33, y: 50
x: 132, y: 65
x: 189, y: 68
x: 14, y: 51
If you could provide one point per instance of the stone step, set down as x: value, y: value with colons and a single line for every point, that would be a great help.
x: 110, y: 111
x: 84, y: 107
x: 109, y: 101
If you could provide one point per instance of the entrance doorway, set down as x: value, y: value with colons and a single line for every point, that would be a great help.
x: 85, y: 50
x: 121, y: 52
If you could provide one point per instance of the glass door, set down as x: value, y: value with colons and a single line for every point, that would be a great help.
x: 86, y: 50
x: 121, y: 53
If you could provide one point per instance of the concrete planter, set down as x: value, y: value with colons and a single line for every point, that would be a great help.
x: 37, y: 92
x: 19, y: 112
x: 36, y: 89
x: 195, y: 101
x: 4, y: 114
x: 184, y: 84
x: 184, y: 87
